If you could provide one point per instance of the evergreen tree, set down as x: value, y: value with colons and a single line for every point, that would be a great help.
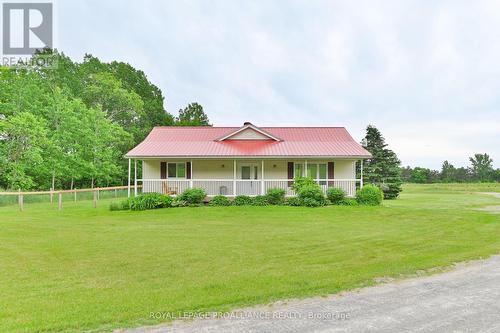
x: 383, y: 168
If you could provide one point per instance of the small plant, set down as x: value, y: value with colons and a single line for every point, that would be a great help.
x: 276, y: 196
x: 260, y: 200
x: 193, y: 196
x: 243, y: 200
x: 370, y: 195
x: 220, y: 200
x: 121, y: 205
x: 335, y: 195
x: 150, y: 201
x: 300, y: 182
x: 311, y: 192
x: 348, y: 202
x: 293, y: 201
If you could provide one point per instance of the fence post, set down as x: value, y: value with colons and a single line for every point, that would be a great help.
x: 98, y: 194
x: 20, y: 201
x: 51, y: 195
x: 95, y: 199
x: 75, y: 193
x: 116, y: 193
x: 60, y: 200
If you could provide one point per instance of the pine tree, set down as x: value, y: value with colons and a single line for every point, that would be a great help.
x: 383, y: 169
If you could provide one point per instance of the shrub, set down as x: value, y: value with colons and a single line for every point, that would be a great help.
x: 193, y: 196
x: 293, y: 201
x: 311, y: 192
x: 121, y: 205
x: 260, y: 200
x: 242, y: 200
x: 220, y: 200
x: 348, y: 202
x: 276, y: 196
x: 150, y: 201
x: 177, y: 202
x: 300, y: 182
x: 369, y: 195
x: 335, y: 195
x: 310, y: 202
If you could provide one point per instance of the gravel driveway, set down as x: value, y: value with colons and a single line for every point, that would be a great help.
x: 465, y: 299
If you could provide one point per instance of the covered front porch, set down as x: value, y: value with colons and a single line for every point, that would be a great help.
x: 232, y: 177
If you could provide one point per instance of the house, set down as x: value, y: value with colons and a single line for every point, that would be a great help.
x: 245, y: 160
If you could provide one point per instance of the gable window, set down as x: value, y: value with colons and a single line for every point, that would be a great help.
x: 176, y: 170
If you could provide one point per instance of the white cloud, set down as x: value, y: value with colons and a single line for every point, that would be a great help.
x: 426, y: 73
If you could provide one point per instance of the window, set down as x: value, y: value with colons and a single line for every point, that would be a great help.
x: 176, y: 170
x: 314, y: 170
x: 298, y: 170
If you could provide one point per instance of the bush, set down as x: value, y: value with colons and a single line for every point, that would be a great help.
x: 300, y: 182
x: 276, y: 196
x: 260, y: 200
x: 121, y: 205
x: 369, y: 195
x: 150, y: 201
x: 348, y: 202
x: 311, y: 192
x: 177, y: 202
x: 310, y: 202
x: 220, y: 200
x: 335, y: 195
x: 293, y: 201
x: 193, y: 196
x: 243, y: 200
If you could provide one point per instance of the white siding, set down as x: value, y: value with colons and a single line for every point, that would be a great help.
x: 345, y: 169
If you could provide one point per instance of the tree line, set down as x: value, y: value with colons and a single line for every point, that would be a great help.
x: 70, y: 126
x: 480, y: 170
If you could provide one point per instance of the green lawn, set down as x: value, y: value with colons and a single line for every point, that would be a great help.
x: 84, y: 268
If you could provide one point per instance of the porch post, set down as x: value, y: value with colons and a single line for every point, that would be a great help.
x: 135, y: 177
x: 191, y: 173
x: 128, y: 183
x: 361, y: 181
x: 305, y: 168
x: 234, y: 177
x: 262, y: 190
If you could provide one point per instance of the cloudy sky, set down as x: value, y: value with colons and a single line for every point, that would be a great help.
x: 427, y: 73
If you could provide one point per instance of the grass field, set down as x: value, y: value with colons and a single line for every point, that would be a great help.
x: 87, y: 269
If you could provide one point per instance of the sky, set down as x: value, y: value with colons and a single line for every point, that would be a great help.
x: 426, y: 73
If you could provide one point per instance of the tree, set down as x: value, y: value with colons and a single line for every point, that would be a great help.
x: 192, y: 115
x: 24, y: 141
x: 481, y: 168
x: 420, y: 175
x: 383, y: 168
x: 448, y: 172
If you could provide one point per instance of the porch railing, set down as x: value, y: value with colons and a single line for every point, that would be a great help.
x: 231, y: 187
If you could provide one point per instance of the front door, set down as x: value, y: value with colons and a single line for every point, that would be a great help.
x: 249, y: 185
x: 249, y: 171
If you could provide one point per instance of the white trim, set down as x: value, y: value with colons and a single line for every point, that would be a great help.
x: 135, y: 178
x: 253, y: 127
x: 253, y: 157
x: 128, y: 183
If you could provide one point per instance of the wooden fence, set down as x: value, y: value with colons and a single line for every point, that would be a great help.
x: 59, y: 193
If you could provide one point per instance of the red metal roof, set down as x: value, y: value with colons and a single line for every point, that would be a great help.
x: 202, y: 141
